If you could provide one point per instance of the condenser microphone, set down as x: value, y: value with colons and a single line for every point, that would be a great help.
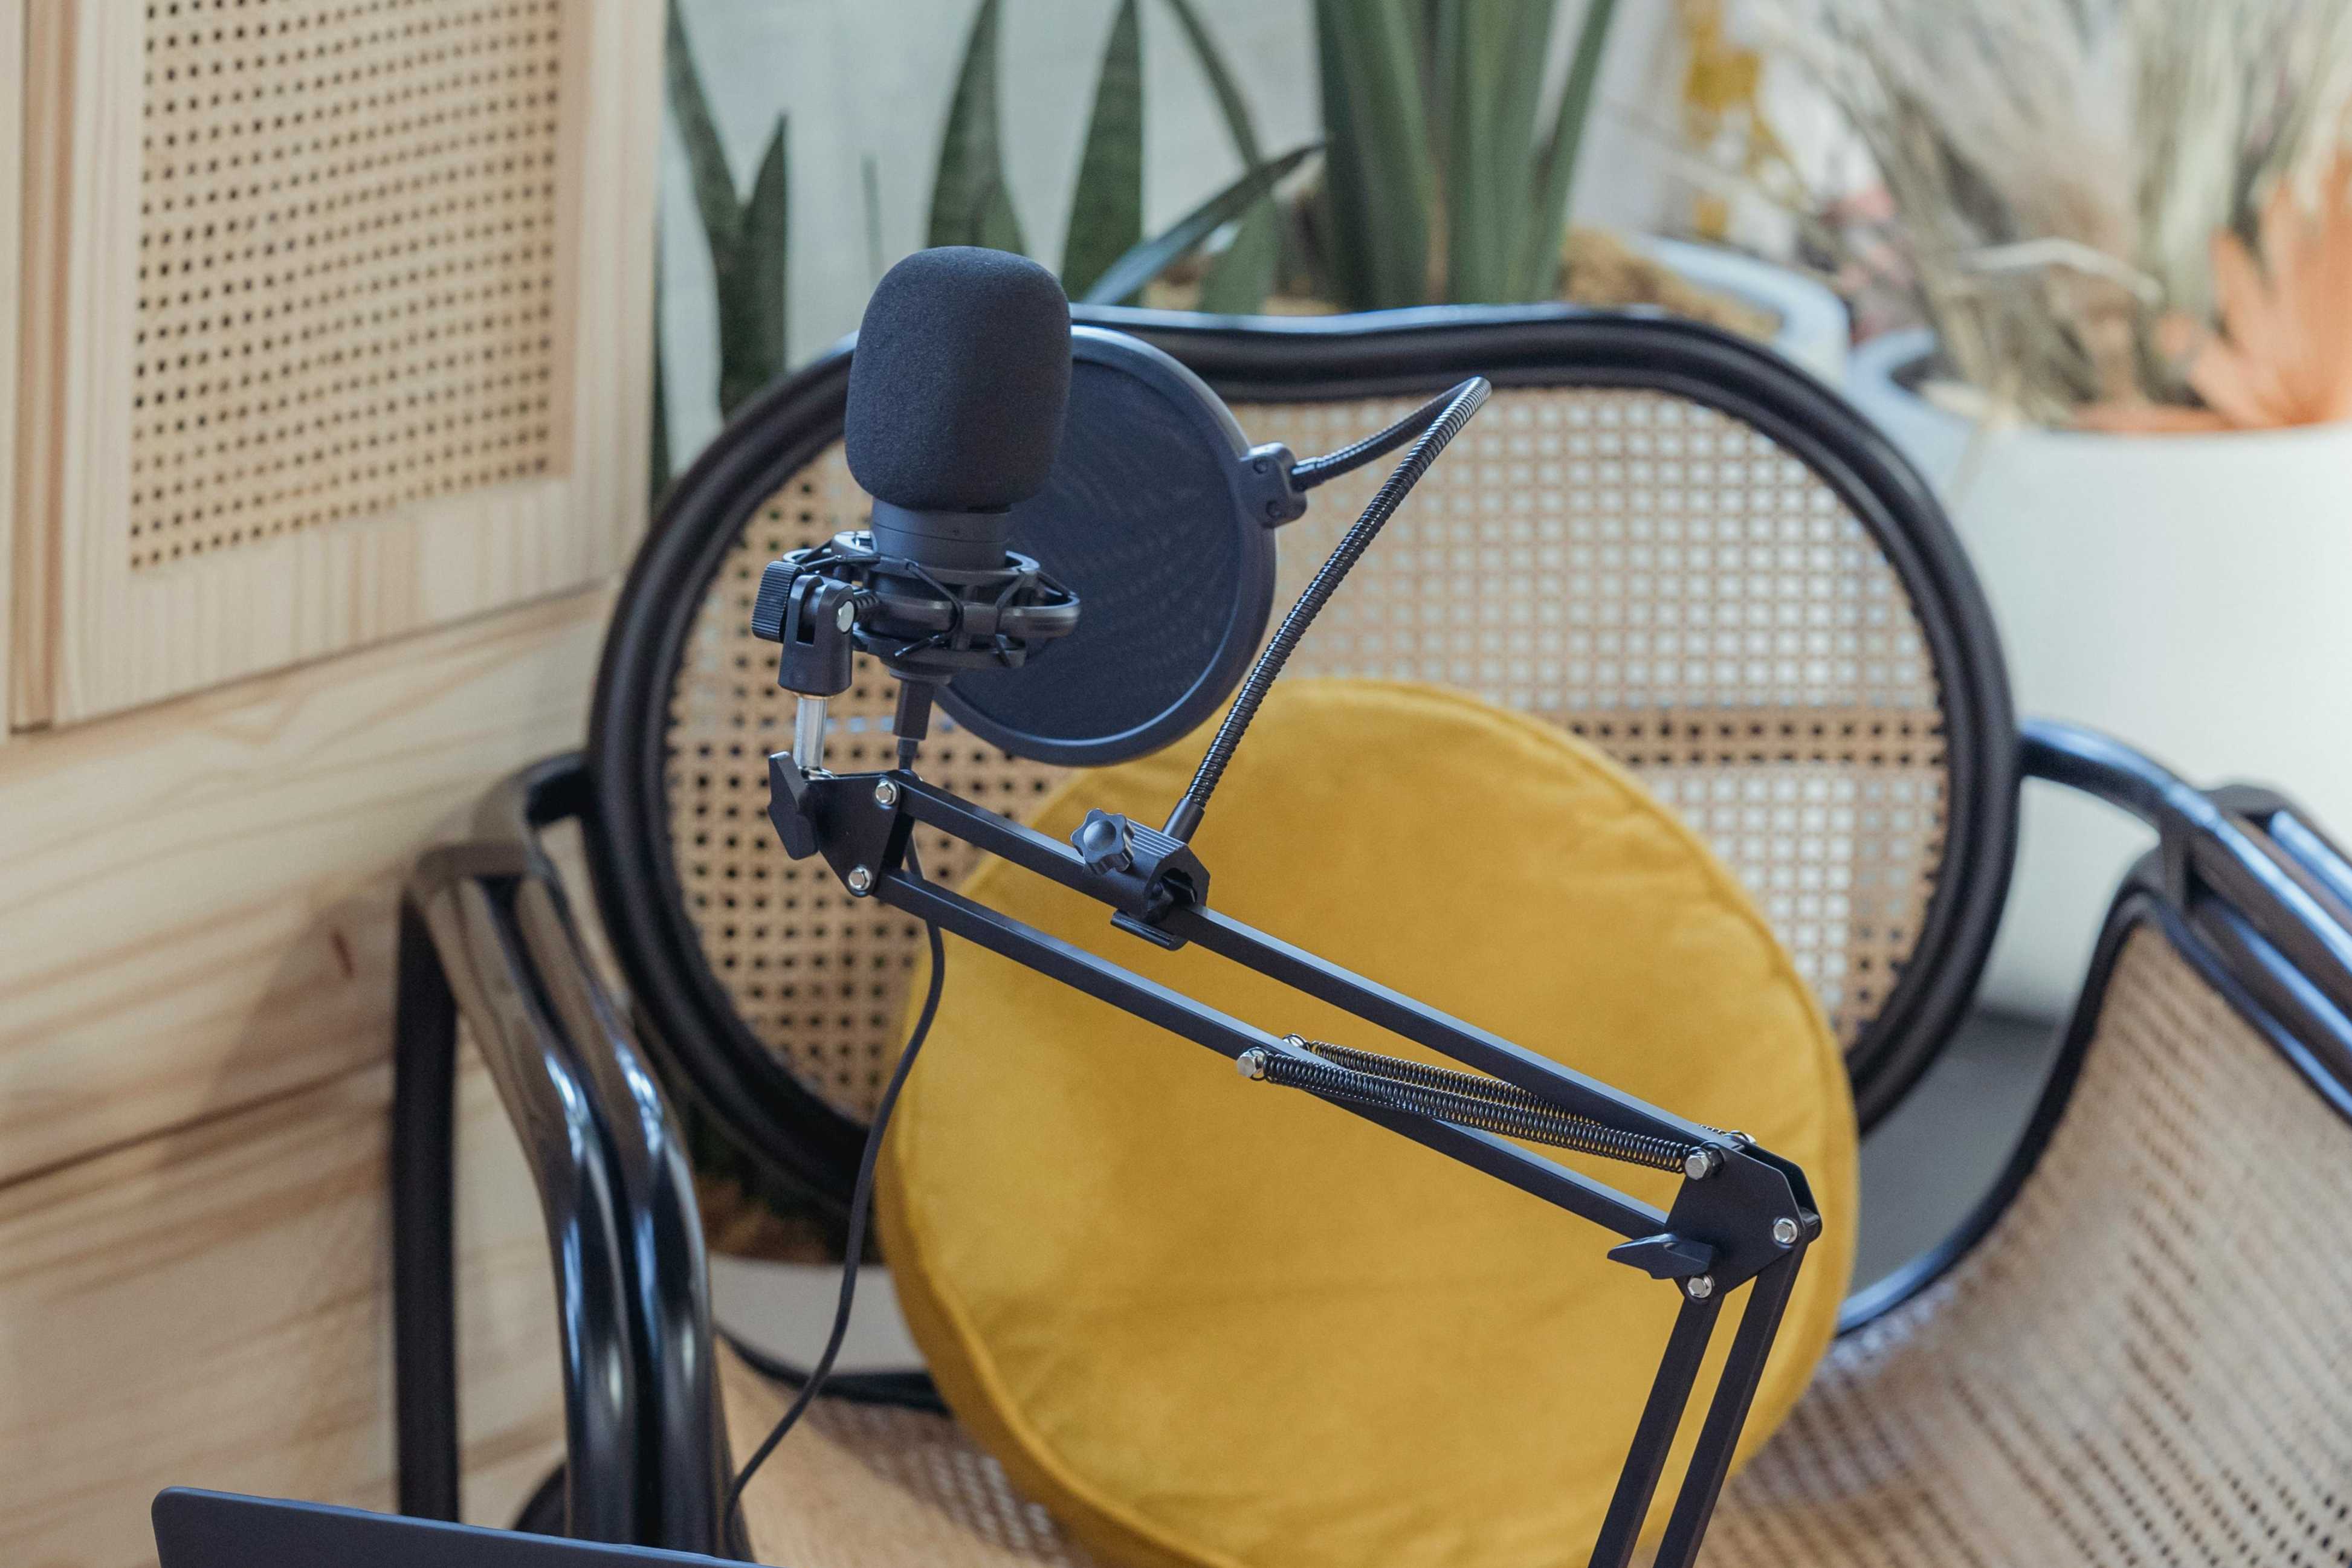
x: 959, y: 388
x: 958, y: 392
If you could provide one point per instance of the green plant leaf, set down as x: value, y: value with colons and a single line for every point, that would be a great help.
x: 1153, y: 257
x: 1490, y: 57
x: 706, y: 156
x: 1554, y: 171
x: 752, y: 301
x: 1230, y: 102
x: 1240, y: 276
x: 968, y: 202
x: 998, y: 226
x: 869, y: 182
x: 1378, y: 179
x: 1107, y: 209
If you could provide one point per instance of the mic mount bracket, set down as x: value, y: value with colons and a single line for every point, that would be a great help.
x: 923, y: 622
x: 1144, y: 874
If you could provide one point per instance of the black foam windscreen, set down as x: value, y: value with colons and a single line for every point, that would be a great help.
x: 1152, y: 514
x: 959, y: 383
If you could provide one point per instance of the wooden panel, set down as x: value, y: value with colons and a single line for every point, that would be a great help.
x: 12, y: 164
x: 199, y: 896
x: 213, y: 1308
x: 377, y: 359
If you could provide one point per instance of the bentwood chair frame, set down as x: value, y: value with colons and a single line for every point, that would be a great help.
x: 2251, y: 896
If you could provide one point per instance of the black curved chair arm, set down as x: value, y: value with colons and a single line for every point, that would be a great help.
x: 2249, y: 848
x: 487, y: 932
x: 2243, y: 887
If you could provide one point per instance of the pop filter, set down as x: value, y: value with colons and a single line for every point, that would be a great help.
x: 1159, y: 515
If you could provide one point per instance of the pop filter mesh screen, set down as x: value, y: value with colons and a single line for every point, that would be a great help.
x: 1138, y: 519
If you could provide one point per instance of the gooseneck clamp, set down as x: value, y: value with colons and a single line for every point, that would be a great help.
x: 1741, y: 1216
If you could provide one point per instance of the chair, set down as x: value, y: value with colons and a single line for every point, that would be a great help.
x: 1693, y: 556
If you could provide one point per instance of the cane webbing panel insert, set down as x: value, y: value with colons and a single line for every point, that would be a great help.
x: 2143, y: 1363
x: 347, y: 261
x: 864, y: 1486
x: 1661, y: 579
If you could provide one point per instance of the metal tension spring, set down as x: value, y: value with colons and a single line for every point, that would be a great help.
x: 1465, y: 1100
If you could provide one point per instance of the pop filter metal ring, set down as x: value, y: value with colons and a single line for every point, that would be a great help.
x: 1190, y: 422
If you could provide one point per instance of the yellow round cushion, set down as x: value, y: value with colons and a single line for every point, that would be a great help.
x: 1206, y: 1320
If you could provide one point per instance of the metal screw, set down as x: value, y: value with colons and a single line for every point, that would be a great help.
x: 861, y: 881
x: 1700, y: 1287
x: 1250, y: 1064
x: 885, y: 793
x: 1784, y: 1231
x: 1700, y: 1164
x: 845, y: 617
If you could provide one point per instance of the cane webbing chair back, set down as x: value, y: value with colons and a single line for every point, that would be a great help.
x: 1646, y: 537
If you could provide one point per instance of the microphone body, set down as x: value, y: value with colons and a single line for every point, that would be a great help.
x: 960, y: 381
x: 959, y: 388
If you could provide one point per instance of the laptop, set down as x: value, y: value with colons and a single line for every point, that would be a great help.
x: 221, y: 1530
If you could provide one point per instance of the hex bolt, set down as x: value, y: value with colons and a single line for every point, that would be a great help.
x: 861, y: 881
x: 1250, y: 1064
x: 1701, y: 1164
x: 1784, y: 1231
x: 1700, y: 1287
x: 885, y: 793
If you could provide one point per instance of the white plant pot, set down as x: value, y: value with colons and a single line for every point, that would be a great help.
x: 2187, y: 594
x: 1813, y: 326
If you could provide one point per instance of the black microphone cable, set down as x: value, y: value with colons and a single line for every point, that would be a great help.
x: 1454, y: 410
x: 861, y: 1200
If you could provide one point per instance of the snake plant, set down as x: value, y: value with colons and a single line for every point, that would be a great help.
x: 749, y: 235
x: 1443, y: 180
x: 1106, y: 255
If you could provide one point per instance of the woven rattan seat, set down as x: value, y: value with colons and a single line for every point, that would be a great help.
x: 878, y: 1486
x: 2144, y: 1362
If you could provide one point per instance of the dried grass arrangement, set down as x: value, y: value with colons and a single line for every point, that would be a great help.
x: 2126, y: 215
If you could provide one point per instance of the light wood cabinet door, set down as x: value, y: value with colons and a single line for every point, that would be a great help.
x: 338, y: 324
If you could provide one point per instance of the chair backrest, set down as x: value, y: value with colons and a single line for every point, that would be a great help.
x: 1668, y: 541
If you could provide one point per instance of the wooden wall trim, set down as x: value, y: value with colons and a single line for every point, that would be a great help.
x: 198, y: 899
x: 48, y: 194
x: 211, y: 1308
x: 12, y: 231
